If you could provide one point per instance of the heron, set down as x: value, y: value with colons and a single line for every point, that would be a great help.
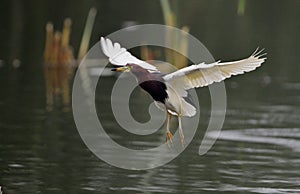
x: 170, y: 91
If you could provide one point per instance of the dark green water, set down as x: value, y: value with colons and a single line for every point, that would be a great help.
x: 258, y: 150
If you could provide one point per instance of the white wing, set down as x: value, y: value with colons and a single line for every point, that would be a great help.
x: 120, y: 56
x: 205, y: 74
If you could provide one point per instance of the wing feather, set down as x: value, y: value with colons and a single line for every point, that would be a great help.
x: 120, y: 56
x: 203, y: 74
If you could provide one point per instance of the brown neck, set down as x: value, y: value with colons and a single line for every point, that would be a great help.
x: 140, y: 73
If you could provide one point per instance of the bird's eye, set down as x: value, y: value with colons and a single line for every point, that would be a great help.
x: 128, y: 69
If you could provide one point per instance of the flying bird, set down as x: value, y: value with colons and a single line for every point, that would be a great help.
x: 169, y: 91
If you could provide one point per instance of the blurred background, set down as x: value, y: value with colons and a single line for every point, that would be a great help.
x: 41, y: 150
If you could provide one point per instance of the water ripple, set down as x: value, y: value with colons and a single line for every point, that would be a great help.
x: 287, y: 137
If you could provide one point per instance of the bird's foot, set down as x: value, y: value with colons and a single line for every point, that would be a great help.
x: 182, y: 140
x: 169, y: 136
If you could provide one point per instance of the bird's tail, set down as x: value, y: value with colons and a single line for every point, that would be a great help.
x: 187, y: 109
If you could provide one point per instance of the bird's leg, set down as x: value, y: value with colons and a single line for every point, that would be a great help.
x: 181, y: 131
x: 169, y: 135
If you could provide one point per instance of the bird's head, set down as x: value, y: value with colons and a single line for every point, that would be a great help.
x: 130, y: 67
x: 122, y: 69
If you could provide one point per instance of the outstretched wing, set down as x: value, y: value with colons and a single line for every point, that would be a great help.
x: 120, y: 56
x: 203, y: 74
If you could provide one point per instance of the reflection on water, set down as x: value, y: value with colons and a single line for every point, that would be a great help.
x: 258, y: 150
x: 59, y: 62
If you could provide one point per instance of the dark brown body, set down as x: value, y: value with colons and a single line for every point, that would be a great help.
x: 154, y: 84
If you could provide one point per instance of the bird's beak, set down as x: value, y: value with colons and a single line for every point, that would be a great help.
x: 120, y: 69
